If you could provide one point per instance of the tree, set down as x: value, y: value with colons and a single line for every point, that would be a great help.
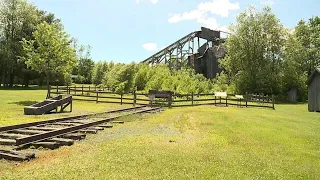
x: 99, y: 70
x: 294, y: 75
x: 308, y: 34
x: 17, y: 18
x: 255, y: 49
x: 121, y: 77
x: 85, y: 65
x: 50, y: 51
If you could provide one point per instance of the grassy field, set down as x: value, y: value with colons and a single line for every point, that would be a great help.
x: 182, y: 143
x: 13, y: 101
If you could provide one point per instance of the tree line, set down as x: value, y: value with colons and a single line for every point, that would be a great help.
x: 262, y: 56
x: 35, y: 48
x: 265, y: 57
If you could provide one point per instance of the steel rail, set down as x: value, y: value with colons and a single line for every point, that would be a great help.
x: 18, y: 126
x: 47, y: 135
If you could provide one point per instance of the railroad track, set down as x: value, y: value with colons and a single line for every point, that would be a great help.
x: 54, y: 133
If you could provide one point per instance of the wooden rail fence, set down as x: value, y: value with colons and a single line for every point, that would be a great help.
x: 100, y: 95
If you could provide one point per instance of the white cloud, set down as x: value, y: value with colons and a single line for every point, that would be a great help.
x: 267, y: 2
x: 150, y: 46
x: 216, y: 7
x: 152, y: 1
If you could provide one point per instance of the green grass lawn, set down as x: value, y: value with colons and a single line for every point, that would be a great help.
x: 182, y: 143
x: 12, y: 103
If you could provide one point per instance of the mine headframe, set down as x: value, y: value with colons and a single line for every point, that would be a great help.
x: 180, y: 52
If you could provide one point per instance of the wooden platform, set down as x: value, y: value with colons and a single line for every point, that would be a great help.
x: 49, y: 105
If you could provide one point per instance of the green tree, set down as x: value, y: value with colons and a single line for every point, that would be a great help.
x: 17, y: 18
x: 50, y: 51
x: 121, y: 77
x: 294, y: 75
x: 308, y: 34
x: 99, y: 71
x: 255, y: 49
x: 85, y: 65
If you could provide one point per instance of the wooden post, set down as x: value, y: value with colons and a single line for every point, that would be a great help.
x: 97, y: 99
x: 215, y: 100
x: 192, y: 97
x: 71, y: 107
x: 273, y: 102
x: 134, y: 98
x: 227, y: 100
x: 49, y: 92
x: 75, y: 89
x: 121, y: 97
x: 95, y: 87
x: 57, y: 89
x: 89, y: 88
x: 67, y: 89
x: 82, y: 90
x: 246, y: 99
x: 170, y: 101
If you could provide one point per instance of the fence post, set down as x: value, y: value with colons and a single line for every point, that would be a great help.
x: 95, y: 87
x: 134, y: 98
x: 192, y: 98
x: 215, y: 100
x: 121, y: 97
x: 170, y: 101
x: 246, y: 99
x: 75, y: 89
x: 82, y: 90
x: 97, y: 96
x: 57, y: 89
x: 89, y: 88
x: 273, y: 102
x: 49, y: 92
x: 227, y: 101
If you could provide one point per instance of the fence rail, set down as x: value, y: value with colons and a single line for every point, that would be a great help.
x: 99, y: 95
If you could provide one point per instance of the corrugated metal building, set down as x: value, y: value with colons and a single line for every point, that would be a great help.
x: 314, y: 91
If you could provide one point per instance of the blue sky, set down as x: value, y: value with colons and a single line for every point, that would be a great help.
x: 132, y: 30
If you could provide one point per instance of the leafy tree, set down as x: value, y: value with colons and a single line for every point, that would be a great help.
x: 84, y: 66
x: 142, y: 76
x: 308, y: 34
x: 294, y: 75
x: 255, y: 49
x: 17, y: 18
x: 121, y: 78
x: 50, y: 51
x: 99, y: 71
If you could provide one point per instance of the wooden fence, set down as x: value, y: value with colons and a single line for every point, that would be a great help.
x: 99, y: 95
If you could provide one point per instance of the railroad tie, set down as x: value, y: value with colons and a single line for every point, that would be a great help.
x: 7, y: 142
x: 106, y: 126
x: 73, y: 136
x: 11, y: 136
x: 62, y: 141
x: 16, y: 155
x: 118, y: 122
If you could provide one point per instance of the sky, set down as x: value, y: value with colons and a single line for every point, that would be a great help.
x: 132, y: 30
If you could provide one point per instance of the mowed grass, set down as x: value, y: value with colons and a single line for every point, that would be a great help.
x: 188, y: 143
x: 13, y: 101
